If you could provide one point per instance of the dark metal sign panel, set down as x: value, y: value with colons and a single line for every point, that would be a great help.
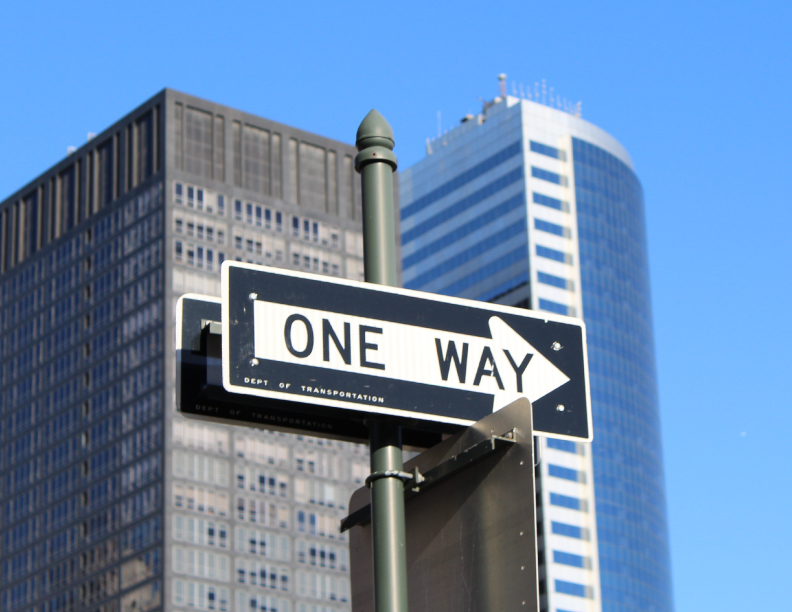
x: 399, y: 353
x: 471, y: 538
x: 200, y: 393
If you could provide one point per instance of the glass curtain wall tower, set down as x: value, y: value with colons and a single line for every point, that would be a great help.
x: 109, y: 500
x: 530, y: 206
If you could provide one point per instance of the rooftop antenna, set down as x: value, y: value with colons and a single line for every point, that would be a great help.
x: 439, y: 124
x: 514, y: 89
x: 522, y: 91
x: 502, y: 84
x: 536, y: 91
x: 544, y: 92
x: 551, y: 96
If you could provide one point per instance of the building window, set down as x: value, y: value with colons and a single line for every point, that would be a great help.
x: 179, y: 226
x: 558, y: 471
x: 572, y: 588
x: 570, y: 531
x: 249, y: 213
x: 565, y: 501
x: 279, y: 222
x: 563, y: 445
x: 548, y: 253
x: 550, y: 177
x: 191, y: 197
x: 267, y: 219
x: 296, y: 227
x: 556, y: 281
x: 221, y: 205
x: 565, y: 558
x: 259, y: 211
x: 177, y: 251
x: 238, y: 242
x: 238, y: 210
x: 555, y: 307
x: 178, y: 193
x: 552, y: 228
x: 544, y: 200
x: 199, y: 199
x: 543, y: 149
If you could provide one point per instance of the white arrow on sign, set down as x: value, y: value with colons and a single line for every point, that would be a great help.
x: 504, y: 365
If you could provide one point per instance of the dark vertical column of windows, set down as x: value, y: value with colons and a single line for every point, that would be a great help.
x: 627, y: 453
x: 219, y: 148
x: 236, y: 136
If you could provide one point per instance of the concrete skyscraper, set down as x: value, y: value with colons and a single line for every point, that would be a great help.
x: 109, y: 500
x: 529, y: 205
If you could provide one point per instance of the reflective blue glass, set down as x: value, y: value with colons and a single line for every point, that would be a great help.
x: 628, y: 463
x: 465, y: 203
x: 544, y: 200
x: 550, y: 228
x: 570, y: 588
x: 543, y: 149
x: 514, y: 256
x: 549, y: 253
x: 554, y: 281
x: 565, y: 501
x: 492, y: 214
x: 458, y: 181
x: 558, y: 471
x: 546, y: 175
x: 570, y: 531
x: 562, y: 445
x: 476, y: 250
x: 566, y: 558
x: 551, y: 306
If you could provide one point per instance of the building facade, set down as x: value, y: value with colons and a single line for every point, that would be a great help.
x: 110, y: 500
x: 531, y: 206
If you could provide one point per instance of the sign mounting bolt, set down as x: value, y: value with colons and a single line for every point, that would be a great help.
x: 253, y: 296
x: 560, y: 407
x: 254, y: 362
x: 557, y: 346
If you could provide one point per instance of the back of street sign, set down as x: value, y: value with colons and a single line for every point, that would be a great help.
x: 471, y: 538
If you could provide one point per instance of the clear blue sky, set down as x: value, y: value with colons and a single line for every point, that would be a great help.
x: 698, y: 92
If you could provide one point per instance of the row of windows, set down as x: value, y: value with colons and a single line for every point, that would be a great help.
x: 67, y: 198
x: 262, y: 512
x: 544, y: 200
x: 462, y: 205
x: 550, y: 177
x: 261, y: 451
x: 552, y: 228
x: 549, y: 253
x: 202, y: 437
x: 322, y: 555
x: 255, y: 479
x: 194, y: 466
x: 256, y: 602
x: 570, y: 531
x: 199, y: 596
x: 322, y: 586
x: 487, y: 271
x: 320, y: 493
x: 493, y: 214
x: 565, y: 501
x: 200, y: 499
x: 543, y: 149
x: 326, y: 526
x: 458, y: 181
x: 573, y: 588
x: 193, y: 227
x: 196, y: 256
x: 565, y: 558
x: 199, y: 199
x: 558, y: 471
x: 261, y: 574
x: 200, y: 563
x: 200, y: 531
x: 551, y: 306
x: 556, y: 281
x: 262, y: 543
x: 471, y: 253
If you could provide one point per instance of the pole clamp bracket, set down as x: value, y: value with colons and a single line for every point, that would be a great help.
x: 405, y: 477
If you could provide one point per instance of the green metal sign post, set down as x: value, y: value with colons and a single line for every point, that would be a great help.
x: 376, y: 163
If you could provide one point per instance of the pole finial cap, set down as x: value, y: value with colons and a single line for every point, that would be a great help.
x: 374, y: 131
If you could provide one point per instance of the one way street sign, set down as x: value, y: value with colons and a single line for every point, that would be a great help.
x: 406, y: 354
